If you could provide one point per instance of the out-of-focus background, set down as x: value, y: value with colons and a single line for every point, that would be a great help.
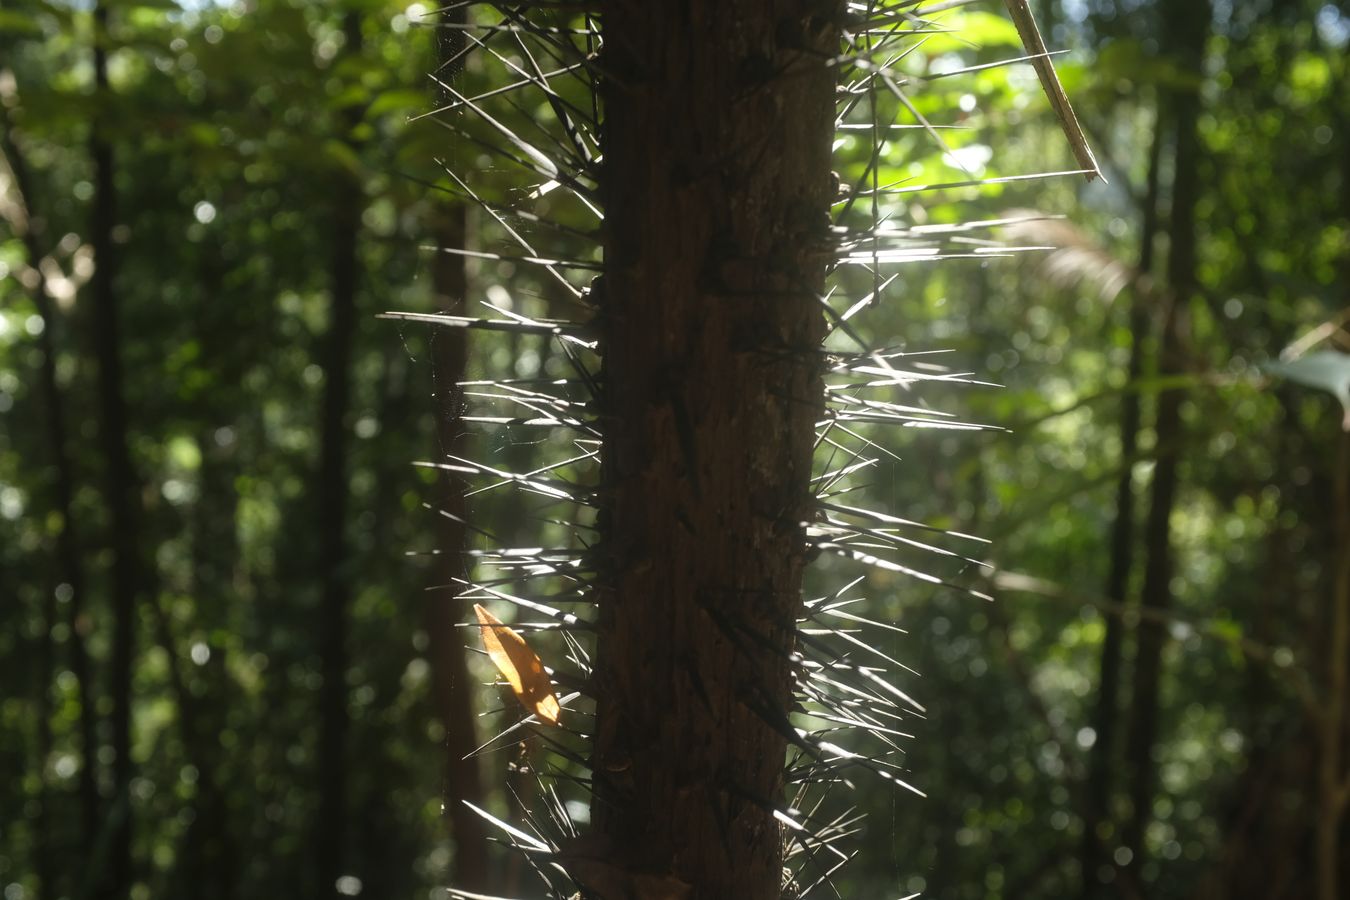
x: 222, y: 462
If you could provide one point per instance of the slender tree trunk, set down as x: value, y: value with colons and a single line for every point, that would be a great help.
x: 719, y: 117
x: 451, y: 688
x: 69, y: 567
x: 1333, y: 776
x: 1189, y: 28
x: 1097, y: 791
x: 121, y: 485
x: 452, y: 691
x: 44, y: 859
x: 210, y: 857
x: 44, y: 865
x: 44, y: 855
x: 207, y: 861
x: 332, y: 485
x: 212, y: 866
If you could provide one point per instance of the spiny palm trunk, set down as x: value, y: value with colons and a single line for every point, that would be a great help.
x: 719, y: 117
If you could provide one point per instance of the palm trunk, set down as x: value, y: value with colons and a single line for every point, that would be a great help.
x: 719, y: 117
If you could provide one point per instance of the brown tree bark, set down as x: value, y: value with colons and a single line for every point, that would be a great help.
x: 1188, y: 28
x: 121, y: 485
x: 331, y: 486
x: 1097, y: 790
x: 719, y: 117
x: 1333, y: 770
x: 1333, y: 775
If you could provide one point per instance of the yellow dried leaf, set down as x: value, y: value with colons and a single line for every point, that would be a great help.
x: 519, y: 665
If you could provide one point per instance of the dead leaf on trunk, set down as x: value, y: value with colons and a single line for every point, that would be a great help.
x: 519, y: 665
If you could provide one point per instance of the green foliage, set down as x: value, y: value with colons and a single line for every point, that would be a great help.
x: 1327, y: 370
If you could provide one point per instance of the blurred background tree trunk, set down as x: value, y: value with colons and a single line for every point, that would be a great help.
x: 1188, y: 27
x: 331, y: 489
x: 1103, y: 758
x: 121, y: 485
x: 68, y: 583
x: 452, y: 687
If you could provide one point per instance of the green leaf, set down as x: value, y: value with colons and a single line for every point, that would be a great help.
x: 1326, y: 369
